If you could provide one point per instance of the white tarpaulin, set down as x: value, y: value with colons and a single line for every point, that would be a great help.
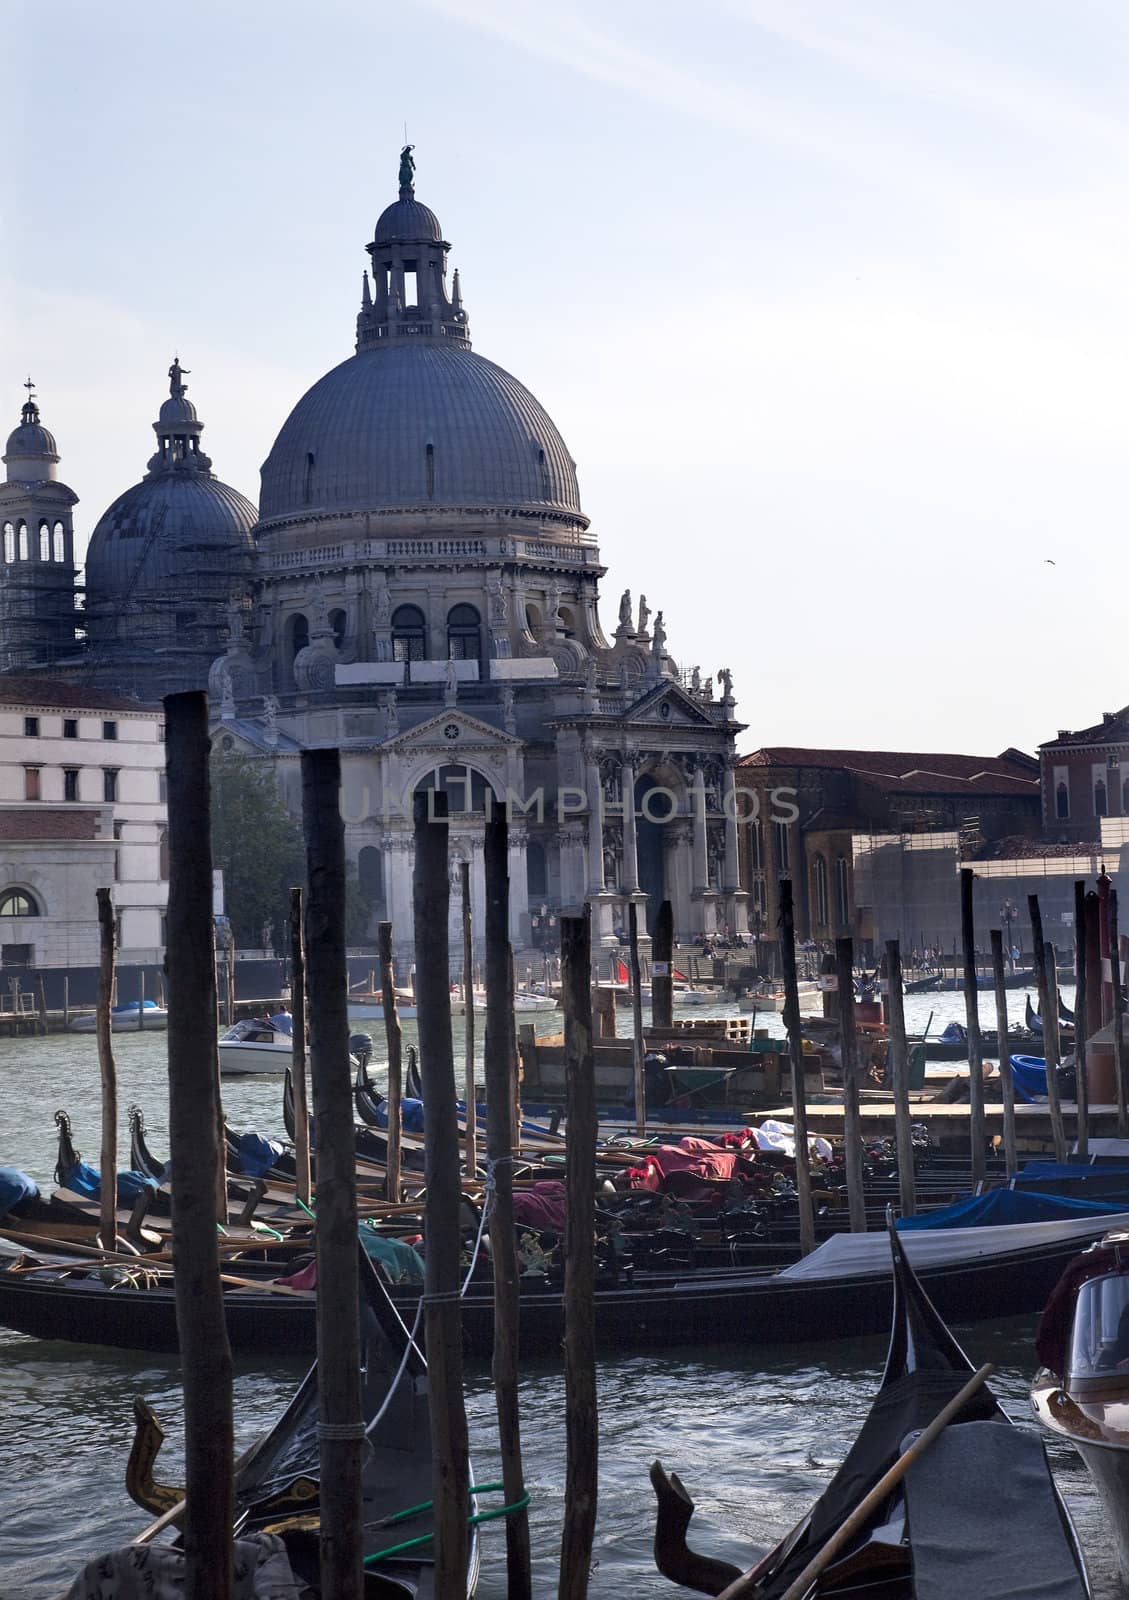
x: 846, y: 1254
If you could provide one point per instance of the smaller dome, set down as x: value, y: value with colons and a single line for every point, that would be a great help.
x: 177, y: 412
x: 31, y: 438
x: 407, y: 221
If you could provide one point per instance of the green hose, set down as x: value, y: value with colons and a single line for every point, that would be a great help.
x: 472, y: 1521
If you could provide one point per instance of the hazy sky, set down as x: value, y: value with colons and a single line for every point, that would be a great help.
x: 830, y: 301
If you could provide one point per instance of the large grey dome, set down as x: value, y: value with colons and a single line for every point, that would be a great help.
x: 169, y: 535
x: 417, y: 426
x: 407, y: 219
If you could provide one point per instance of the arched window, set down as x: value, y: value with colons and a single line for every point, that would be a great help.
x: 18, y: 903
x: 819, y: 885
x: 1101, y: 802
x: 842, y: 892
x: 21, y: 540
x: 568, y: 621
x: 783, y: 865
x: 44, y: 541
x: 1062, y: 801
x: 408, y: 634
x: 429, y: 458
x: 9, y: 542
x: 756, y: 846
x: 533, y: 619
x: 60, y: 543
x: 466, y: 790
x: 299, y: 629
x: 464, y: 633
x: 337, y: 623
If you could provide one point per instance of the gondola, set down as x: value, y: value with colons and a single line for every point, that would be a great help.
x: 277, y: 1481
x: 841, y: 1290
x: 978, y: 1513
x: 923, y: 985
x: 1081, y: 1391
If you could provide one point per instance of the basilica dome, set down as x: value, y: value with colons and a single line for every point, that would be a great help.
x: 418, y: 426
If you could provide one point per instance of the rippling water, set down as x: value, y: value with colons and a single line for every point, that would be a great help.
x: 754, y: 1433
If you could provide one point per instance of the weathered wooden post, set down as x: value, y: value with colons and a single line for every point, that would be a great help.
x: 431, y: 891
x: 298, y: 1049
x: 1084, y: 990
x: 1047, y: 1006
x: 1007, y: 1078
x: 468, y: 1009
x: 1119, y: 1061
x: 341, y: 1429
x: 394, y: 1042
x: 852, y: 1119
x: 637, y: 1066
x: 796, y: 1058
x: 196, y: 1154
x: 899, y: 1077
x: 662, y: 975
x: 581, y: 1415
x: 108, y: 1206
x: 976, y: 1127
x: 499, y: 1154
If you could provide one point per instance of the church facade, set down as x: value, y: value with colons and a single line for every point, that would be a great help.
x: 421, y: 591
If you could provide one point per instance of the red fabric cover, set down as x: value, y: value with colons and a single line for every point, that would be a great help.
x: 543, y: 1206
x: 306, y: 1279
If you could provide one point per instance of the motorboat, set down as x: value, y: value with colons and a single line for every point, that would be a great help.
x: 257, y: 1045
x: 1081, y: 1391
x: 132, y: 1017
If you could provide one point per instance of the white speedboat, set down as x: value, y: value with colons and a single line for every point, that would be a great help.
x: 255, y: 1046
x: 124, y: 1019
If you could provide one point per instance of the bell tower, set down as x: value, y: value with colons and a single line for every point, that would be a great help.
x: 38, y: 616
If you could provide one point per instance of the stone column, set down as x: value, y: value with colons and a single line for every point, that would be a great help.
x: 736, y: 897
x: 398, y: 855
x: 701, y: 853
x: 630, y: 853
x: 519, y: 886
x: 596, y: 883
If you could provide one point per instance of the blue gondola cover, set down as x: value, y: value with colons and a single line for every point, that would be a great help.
x: 1003, y: 1207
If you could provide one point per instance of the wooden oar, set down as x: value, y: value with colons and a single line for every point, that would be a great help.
x: 746, y: 1586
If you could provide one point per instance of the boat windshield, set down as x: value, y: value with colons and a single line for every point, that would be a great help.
x: 1099, y: 1341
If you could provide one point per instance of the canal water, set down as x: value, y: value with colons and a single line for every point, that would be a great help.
x: 753, y: 1432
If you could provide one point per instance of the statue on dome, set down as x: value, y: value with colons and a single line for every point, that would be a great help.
x: 695, y: 680
x: 270, y: 717
x: 625, y: 610
x: 644, y: 616
x: 659, y: 640
x: 407, y: 167
x: 391, y: 715
x: 381, y: 602
x: 176, y: 374
x: 450, y: 683
x: 725, y: 678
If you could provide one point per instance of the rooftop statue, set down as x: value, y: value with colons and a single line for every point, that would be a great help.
x: 407, y: 167
x: 625, y: 609
x: 176, y: 373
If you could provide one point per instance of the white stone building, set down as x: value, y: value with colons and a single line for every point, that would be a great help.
x: 81, y: 807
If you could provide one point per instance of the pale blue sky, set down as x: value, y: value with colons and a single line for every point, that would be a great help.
x: 829, y: 301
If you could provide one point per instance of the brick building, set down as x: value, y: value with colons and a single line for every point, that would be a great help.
x: 809, y: 807
x: 1084, y: 777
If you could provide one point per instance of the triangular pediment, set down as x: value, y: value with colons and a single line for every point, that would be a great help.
x: 452, y: 729
x: 667, y: 706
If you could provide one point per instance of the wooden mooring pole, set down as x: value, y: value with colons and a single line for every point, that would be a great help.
x: 1083, y: 992
x: 197, y: 1157
x: 431, y: 891
x: 977, y: 1131
x: 1050, y: 1024
x: 341, y: 1428
x: 662, y: 975
x: 796, y: 1058
x: 1007, y: 1077
x: 298, y: 1049
x: 1120, y: 1065
x: 394, y: 1043
x: 637, y: 1065
x: 108, y: 1205
x: 899, y: 1077
x: 471, y: 1157
x: 581, y: 1413
x: 500, y: 1087
x: 852, y: 1120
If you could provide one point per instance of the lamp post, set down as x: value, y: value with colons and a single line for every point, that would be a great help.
x: 1008, y: 915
